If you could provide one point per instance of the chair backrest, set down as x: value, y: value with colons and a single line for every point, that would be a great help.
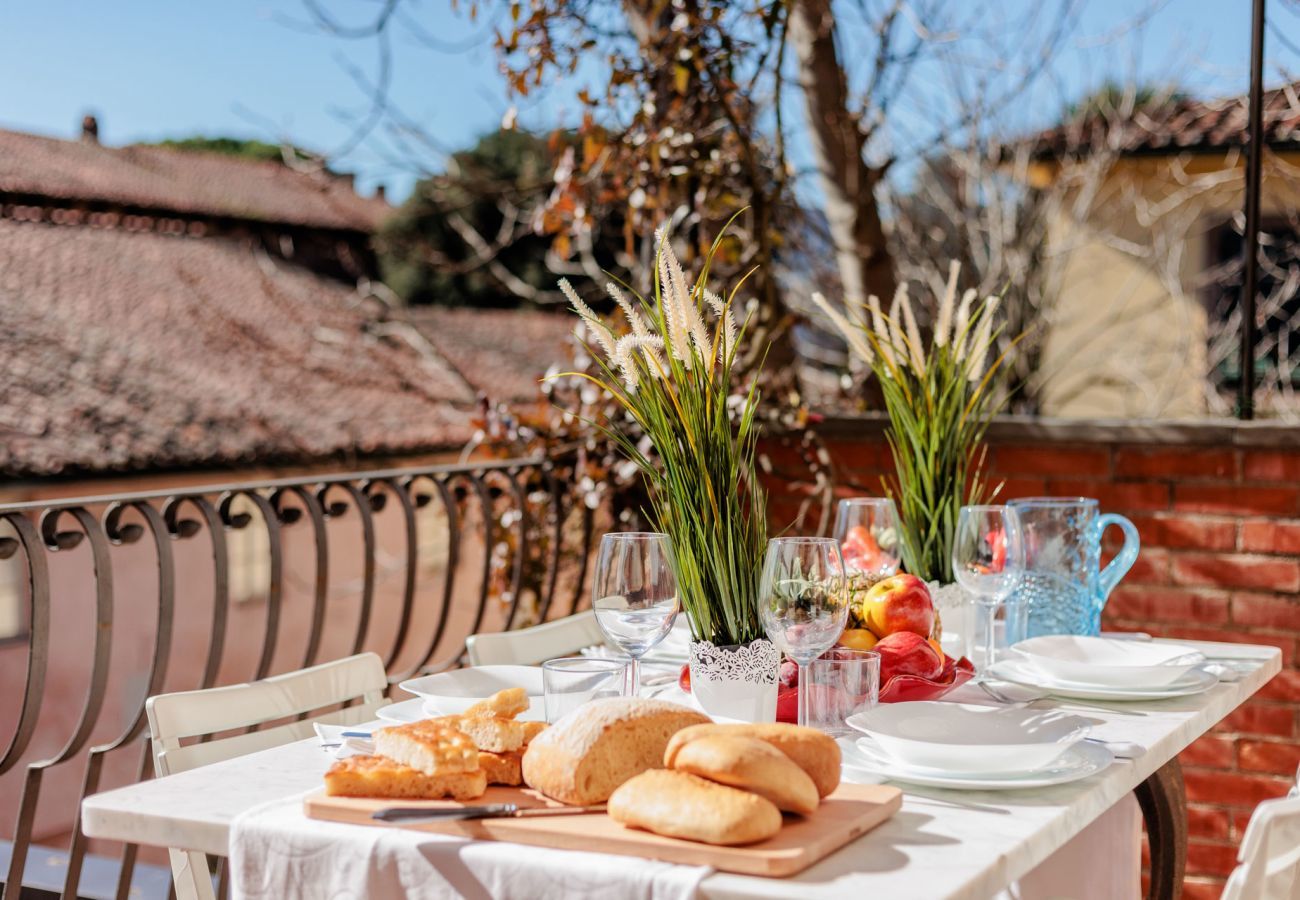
x: 1269, y: 859
x: 198, y: 714
x: 529, y: 646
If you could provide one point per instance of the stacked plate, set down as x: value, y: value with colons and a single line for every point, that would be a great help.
x: 964, y: 747
x: 449, y: 693
x: 1098, y: 668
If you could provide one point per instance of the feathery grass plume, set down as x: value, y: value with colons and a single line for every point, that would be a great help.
x: 670, y: 288
x: 961, y: 331
x: 852, y: 336
x: 944, y: 323
x: 699, y: 417
x: 914, y: 347
x: 651, y: 346
x: 728, y: 332
x: 894, y: 321
x: 940, y: 402
x: 879, y: 328
x: 983, y: 338
x: 604, y: 336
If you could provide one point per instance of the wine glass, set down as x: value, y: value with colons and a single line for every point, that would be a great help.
x: 802, y: 602
x: 868, y: 532
x: 634, y: 594
x: 988, y: 558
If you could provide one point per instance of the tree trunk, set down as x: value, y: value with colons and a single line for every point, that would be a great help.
x: 847, y: 182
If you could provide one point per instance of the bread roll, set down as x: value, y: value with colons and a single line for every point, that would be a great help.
x: 376, y: 776
x: 752, y: 765
x: 811, y: 750
x: 583, y: 757
x: 681, y: 805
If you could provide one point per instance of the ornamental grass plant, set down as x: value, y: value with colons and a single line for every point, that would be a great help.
x: 671, y: 367
x: 940, y: 401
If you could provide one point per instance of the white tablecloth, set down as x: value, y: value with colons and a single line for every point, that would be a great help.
x: 276, y: 853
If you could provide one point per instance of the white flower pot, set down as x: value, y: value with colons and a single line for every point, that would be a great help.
x: 736, y: 681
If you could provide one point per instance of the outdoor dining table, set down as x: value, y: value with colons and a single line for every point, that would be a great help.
x: 941, y: 844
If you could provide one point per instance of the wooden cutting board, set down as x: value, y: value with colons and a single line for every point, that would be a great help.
x: 853, y: 810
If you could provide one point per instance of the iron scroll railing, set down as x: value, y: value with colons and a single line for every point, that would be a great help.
x: 405, y: 562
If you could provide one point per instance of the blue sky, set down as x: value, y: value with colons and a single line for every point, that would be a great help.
x: 172, y: 68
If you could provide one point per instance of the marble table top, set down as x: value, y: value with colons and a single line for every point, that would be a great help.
x: 949, y: 844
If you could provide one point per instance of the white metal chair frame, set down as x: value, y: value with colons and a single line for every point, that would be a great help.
x: 530, y: 646
x: 1269, y: 860
x: 293, y: 695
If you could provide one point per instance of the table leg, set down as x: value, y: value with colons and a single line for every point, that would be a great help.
x: 1163, y: 799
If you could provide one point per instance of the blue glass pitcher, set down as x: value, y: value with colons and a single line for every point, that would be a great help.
x: 1064, y: 587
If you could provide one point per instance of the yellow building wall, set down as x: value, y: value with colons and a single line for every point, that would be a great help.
x: 1128, y: 333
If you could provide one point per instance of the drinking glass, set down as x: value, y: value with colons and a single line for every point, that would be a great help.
x: 571, y: 681
x: 867, y: 529
x: 988, y: 558
x: 841, y: 683
x: 634, y: 594
x: 803, y: 602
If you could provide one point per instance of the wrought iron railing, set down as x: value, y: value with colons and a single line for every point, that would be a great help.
x: 208, y: 585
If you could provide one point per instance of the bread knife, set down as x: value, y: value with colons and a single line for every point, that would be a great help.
x: 413, y: 814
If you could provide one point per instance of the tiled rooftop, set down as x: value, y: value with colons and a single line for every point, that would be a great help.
x: 130, y: 351
x: 1183, y: 125
x: 161, y: 178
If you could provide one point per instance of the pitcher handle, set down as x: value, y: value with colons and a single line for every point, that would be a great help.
x: 1123, y: 560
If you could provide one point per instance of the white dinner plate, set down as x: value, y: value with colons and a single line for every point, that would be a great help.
x: 1080, y: 761
x: 401, y: 713
x: 969, y: 738
x: 1020, y: 672
x: 450, y: 693
x: 1084, y: 659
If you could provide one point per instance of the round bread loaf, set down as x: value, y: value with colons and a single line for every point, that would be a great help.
x: 752, y: 765
x: 583, y: 757
x: 811, y: 750
x: 681, y: 805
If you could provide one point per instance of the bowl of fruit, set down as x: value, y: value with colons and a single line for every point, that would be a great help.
x: 895, y: 617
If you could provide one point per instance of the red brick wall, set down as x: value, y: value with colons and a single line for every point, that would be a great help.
x: 1218, y: 510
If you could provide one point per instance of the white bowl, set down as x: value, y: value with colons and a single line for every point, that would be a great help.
x: 1108, y: 661
x: 450, y: 693
x: 957, y: 737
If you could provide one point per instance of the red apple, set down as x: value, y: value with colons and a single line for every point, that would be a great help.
x: 684, y: 678
x: 906, y: 653
x: 898, y: 603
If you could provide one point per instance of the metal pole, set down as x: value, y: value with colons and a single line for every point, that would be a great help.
x: 1254, y: 162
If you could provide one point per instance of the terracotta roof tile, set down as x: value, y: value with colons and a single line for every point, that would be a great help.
x: 502, y: 353
x: 130, y: 351
x: 184, y: 182
x: 1183, y: 124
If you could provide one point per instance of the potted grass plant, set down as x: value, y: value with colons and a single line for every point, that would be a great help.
x: 939, y: 400
x: 670, y: 365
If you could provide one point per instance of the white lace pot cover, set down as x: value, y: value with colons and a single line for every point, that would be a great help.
x: 736, y: 682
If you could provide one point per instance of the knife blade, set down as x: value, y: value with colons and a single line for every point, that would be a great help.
x: 412, y: 814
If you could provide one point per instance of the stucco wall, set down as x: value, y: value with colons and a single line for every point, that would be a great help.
x: 1128, y: 333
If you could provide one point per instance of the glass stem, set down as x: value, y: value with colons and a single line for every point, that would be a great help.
x: 634, y: 677
x: 988, y: 631
x: 803, y: 693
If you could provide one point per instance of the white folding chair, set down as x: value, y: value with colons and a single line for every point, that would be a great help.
x: 1269, y: 860
x: 193, y: 714
x: 530, y: 646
